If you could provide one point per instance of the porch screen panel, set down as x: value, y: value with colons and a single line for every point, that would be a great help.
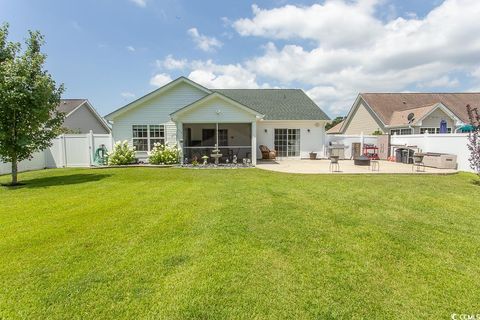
x: 222, y: 137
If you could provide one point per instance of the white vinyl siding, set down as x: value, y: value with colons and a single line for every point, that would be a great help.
x: 216, y: 110
x: 157, y: 112
x: 312, y: 135
x: 433, y: 119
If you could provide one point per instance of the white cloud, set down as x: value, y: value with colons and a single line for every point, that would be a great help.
x: 227, y: 76
x: 140, y: 3
x: 127, y: 95
x: 350, y: 50
x: 160, y: 79
x: 170, y: 63
x: 335, y: 23
x: 131, y: 48
x: 203, y: 42
x: 354, y: 51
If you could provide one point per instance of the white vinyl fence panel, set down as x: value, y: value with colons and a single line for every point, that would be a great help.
x: 70, y: 150
x: 441, y: 143
x: 36, y: 163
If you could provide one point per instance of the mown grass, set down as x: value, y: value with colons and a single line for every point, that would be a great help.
x: 215, y: 244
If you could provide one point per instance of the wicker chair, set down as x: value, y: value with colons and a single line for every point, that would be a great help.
x: 267, y: 154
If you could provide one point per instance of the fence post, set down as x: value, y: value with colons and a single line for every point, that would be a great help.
x: 361, y: 143
x: 91, y: 146
x: 111, y: 142
x: 63, y: 149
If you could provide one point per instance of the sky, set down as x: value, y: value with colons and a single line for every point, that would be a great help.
x: 115, y: 51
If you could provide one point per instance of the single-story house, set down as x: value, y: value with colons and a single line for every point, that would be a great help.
x: 81, y: 117
x: 238, y: 121
x: 407, y: 113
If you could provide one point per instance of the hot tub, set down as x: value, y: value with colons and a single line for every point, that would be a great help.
x: 440, y: 160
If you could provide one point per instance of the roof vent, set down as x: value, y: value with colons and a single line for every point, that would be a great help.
x: 404, y: 102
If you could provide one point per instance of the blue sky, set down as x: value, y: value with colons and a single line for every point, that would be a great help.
x: 113, y: 51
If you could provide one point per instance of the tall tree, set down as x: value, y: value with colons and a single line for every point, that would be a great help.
x: 334, y: 122
x: 474, y: 139
x: 28, y: 100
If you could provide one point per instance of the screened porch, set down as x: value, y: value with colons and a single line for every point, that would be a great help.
x: 234, y: 140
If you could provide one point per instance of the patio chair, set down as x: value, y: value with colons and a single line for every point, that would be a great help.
x: 418, y: 164
x: 267, y: 154
x: 334, y: 165
x: 375, y: 165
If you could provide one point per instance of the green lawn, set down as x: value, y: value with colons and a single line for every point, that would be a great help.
x: 214, y: 244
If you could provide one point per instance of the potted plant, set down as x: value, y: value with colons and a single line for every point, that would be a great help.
x: 313, y: 155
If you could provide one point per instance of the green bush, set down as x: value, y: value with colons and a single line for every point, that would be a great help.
x: 164, y: 154
x: 122, y: 154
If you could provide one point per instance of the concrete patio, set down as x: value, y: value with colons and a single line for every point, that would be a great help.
x: 346, y: 167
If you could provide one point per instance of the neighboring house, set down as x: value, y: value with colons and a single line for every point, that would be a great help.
x: 407, y: 113
x: 237, y: 120
x: 81, y: 117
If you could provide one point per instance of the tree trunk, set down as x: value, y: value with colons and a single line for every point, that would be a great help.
x: 14, y: 170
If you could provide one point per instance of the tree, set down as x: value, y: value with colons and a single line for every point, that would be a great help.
x: 28, y: 100
x: 474, y: 139
x: 334, y: 122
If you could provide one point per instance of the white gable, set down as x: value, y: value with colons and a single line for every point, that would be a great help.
x: 216, y: 109
x: 157, y: 110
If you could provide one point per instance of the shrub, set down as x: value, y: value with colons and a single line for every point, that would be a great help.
x: 122, y: 154
x: 164, y: 154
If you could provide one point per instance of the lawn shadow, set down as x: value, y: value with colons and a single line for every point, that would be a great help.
x: 58, y: 181
x: 476, y: 182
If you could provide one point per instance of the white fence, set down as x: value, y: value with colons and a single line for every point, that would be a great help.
x: 77, y: 150
x: 442, y: 143
x: 347, y: 140
x: 69, y: 150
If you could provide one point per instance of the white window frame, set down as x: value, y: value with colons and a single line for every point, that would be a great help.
x: 401, y: 131
x: 432, y: 130
x: 289, y: 133
x: 150, y: 139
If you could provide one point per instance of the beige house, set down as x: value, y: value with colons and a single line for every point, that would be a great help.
x: 407, y: 113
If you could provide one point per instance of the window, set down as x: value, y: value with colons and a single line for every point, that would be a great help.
x: 157, y: 135
x: 140, y: 138
x: 145, y: 136
x: 401, y: 131
x: 433, y: 130
x: 287, y: 142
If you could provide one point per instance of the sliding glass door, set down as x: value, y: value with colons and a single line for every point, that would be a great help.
x: 287, y: 142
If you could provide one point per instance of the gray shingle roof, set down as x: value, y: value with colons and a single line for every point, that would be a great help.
x: 67, y: 105
x: 385, y: 104
x: 277, y: 104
